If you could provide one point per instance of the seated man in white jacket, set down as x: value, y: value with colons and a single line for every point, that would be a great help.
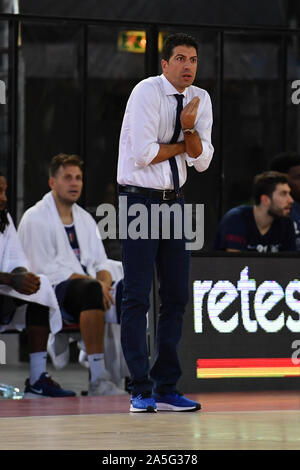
x: 62, y: 241
x: 27, y: 298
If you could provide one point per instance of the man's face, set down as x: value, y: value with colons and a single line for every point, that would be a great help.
x: 67, y: 184
x: 281, y: 201
x: 181, y: 68
x: 294, y: 181
x: 3, y: 188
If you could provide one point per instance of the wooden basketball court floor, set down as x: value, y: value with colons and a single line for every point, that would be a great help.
x: 236, y: 421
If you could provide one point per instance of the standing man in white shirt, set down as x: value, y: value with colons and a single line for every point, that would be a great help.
x: 167, y: 123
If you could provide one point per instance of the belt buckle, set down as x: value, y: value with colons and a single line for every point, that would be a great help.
x: 169, y: 195
x: 165, y: 198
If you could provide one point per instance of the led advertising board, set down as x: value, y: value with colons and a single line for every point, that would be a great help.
x: 242, y: 324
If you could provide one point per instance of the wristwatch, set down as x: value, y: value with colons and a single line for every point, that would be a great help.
x: 189, y: 131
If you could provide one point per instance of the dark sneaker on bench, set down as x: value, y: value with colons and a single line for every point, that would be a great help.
x: 45, y: 387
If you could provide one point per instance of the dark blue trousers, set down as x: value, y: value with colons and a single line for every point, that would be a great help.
x: 172, y: 262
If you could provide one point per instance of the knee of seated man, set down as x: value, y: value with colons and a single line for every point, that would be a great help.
x: 7, y: 309
x: 92, y: 295
x: 37, y: 315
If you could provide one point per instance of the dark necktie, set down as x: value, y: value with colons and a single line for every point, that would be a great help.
x: 174, y: 139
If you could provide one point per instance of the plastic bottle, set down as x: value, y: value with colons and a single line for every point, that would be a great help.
x: 9, y: 391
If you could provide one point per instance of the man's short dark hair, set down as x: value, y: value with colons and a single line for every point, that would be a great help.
x: 283, y: 162
x: 64, y: 159
x: 265, y: 183
x: 177, y: 39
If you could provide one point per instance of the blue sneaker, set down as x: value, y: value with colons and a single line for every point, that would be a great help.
x: 45, y: 387
x: 175, y: 401
x: 143, y: 403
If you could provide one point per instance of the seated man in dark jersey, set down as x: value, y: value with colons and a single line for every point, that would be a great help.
x: 27, y: 299
x: 264, y: 227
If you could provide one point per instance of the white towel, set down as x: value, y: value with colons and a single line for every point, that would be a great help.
x: 11, y: 257
x: 11, y: 253
x: 44, y: 296
x: 48, y: 249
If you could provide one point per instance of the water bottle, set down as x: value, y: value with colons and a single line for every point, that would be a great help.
x: 9, y: 391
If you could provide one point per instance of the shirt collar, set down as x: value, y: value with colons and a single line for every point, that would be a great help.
x: 169, y: 88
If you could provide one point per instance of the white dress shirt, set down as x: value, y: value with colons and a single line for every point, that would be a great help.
x: 149, y: 120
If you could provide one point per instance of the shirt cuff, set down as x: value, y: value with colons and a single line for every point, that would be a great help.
x: 141, y: 161
x: 201, y: 163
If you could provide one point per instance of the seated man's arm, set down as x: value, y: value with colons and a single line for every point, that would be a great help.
x: 79, y: 276
x: 21, y: 280
x: 289, y: 241
x: 105, y: 279
x: 5, y: 278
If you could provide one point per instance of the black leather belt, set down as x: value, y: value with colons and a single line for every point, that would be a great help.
x: 163, y: 194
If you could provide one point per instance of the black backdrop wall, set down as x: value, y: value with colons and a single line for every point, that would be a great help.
x: 68, y: 83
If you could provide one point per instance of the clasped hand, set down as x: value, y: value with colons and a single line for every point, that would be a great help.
x: 24, y: 282
x: 189, y: 113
